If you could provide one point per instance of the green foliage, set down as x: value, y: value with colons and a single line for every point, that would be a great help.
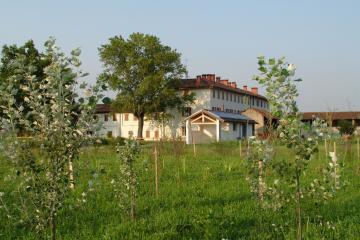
x: 126, y: 183
x: 145, y: 73
x: 16, y: 63
x: 57, y: 124
x: 277, y: 77
x: 346, y: 127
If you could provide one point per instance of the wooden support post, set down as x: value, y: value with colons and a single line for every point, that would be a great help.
x: 156, y: 172
x: 194, y: 147
x: 261, y: 182
x: 358, y: 148
x: 240, y: 147
x: 326, y: 149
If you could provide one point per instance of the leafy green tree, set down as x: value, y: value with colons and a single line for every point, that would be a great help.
x: 30, y: 61
x: 58, y: 129
x: 145, y: 73
x: 277, y: 76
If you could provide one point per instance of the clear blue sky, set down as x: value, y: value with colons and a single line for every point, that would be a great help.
x: 224, y: 37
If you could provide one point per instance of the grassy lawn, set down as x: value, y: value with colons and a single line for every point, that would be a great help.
x: 202, y: 197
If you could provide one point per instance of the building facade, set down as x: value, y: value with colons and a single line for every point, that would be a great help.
x: 215, y: 115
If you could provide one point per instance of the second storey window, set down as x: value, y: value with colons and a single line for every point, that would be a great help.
x: 214, y: 93
x: 227, y: 96
x: 186, y: 112
x: 106, y: 117
x: 222, y: 95
x: 114, y: 117
x: 218, y: 93
x: 126, y: 117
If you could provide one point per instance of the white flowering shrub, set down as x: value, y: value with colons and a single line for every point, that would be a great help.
x: 126, y: 182
x: 259, y: 154
x: 277, y: 77
x: 59, y: 123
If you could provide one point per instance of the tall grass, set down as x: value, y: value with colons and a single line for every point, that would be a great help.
x: 208, y: 200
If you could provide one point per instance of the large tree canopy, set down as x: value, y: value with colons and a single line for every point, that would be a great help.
x: 145, y: 73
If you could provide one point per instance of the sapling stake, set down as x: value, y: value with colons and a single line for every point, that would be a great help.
x: 326, y: 148
x: 194, y: 147
x: 240, y: 147
x: 261, y: 182
x: 156, y: 172
x: 358, y: 148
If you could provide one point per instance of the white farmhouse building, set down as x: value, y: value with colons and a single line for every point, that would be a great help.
x: 215, y: 115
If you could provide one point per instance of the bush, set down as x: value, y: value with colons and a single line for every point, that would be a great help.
x: 346, y: 127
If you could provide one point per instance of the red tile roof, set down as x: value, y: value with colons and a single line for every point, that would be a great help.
x: 204, y: 82
x: 331, y: 115
x: 103, y: 108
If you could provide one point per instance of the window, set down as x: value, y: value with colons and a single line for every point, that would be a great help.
x: 186, y: 112
x: 227, y: 96
x: 156, y: 135
x: 230, y: 97
x: 114, y: 117
x: 222, y: 95
x: 147, y: 134
x: 218, y: 91
x: 183, y: 131
x: 106, y: 118
x: 214, y: 92
x: 95, y: 117
x: 130, y: 133
x: 135, y: 118
x: 257, y: 102
x: 234, y: 126
x: 213, y: 108
x: 109, y: 134
x: 126, y: 117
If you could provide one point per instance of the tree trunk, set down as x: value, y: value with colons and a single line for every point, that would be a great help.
x: 298, y: 207
x: 140, y: 126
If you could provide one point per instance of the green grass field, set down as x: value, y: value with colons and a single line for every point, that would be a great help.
x: 202, y: 197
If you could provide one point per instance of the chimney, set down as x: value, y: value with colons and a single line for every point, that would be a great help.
x: 212, y: 77
x: 197, y: 81
x: 245, y: 87
x: 217, y: 79
x: 233, y: 84
x: 225, y: 81
x: 254, y: 90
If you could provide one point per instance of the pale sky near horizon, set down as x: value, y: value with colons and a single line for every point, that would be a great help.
x: 321, y: 38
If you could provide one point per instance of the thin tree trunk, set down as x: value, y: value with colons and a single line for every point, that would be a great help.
x: 71, y: 174
x: 298, y: 207
x: 133, y: 203
x: 140, y: 127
